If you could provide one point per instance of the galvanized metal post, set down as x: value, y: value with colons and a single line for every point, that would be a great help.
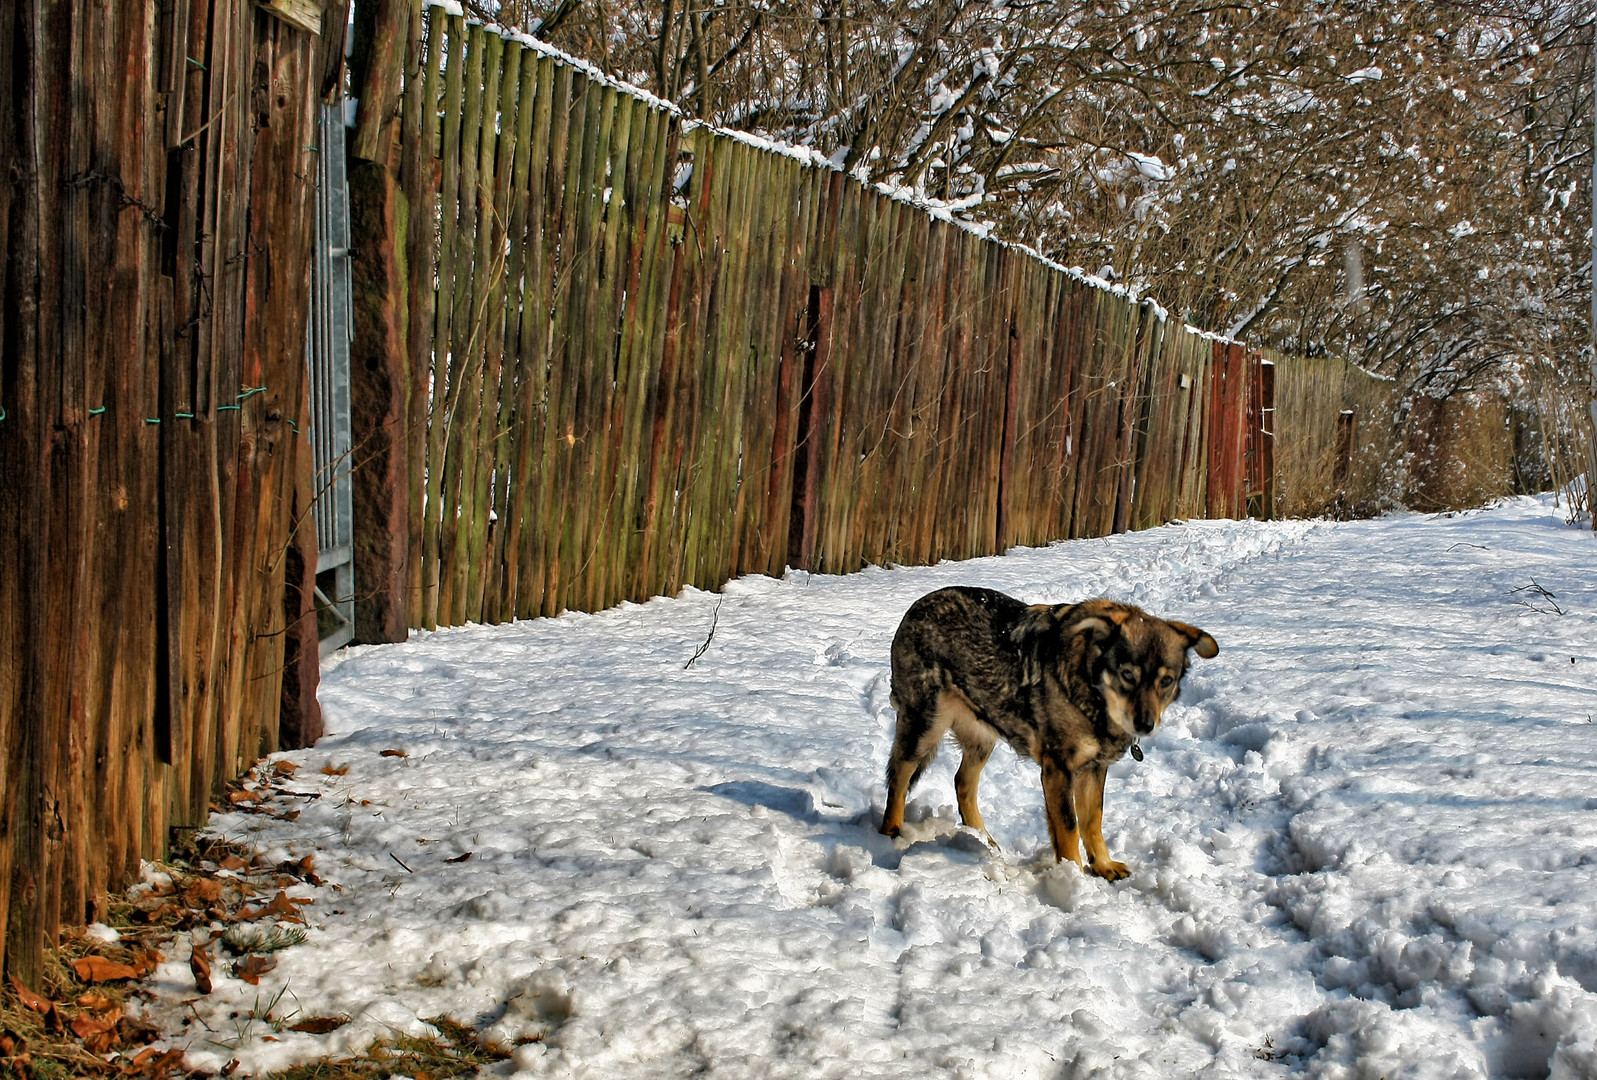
x: 330, y: 433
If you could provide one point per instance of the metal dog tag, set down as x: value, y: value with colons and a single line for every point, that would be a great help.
x: 1136, y: 752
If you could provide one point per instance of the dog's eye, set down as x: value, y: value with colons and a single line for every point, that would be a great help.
x: 1166, y: 682
x: 1130, y: 674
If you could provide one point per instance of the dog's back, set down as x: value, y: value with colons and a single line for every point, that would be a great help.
x: 958, y: 638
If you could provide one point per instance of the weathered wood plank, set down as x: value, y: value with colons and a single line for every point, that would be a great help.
x: 420, y: 175
x: 441, y: 382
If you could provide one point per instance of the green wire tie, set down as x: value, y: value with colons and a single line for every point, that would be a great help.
x: 184, y: 415
x: 97, y: 412
x: 224, y: 408
x: 152, y: 419
x: 196, y: 63
x: 250, y: 391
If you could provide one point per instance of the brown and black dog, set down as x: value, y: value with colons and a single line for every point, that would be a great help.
x: 1070, y: 686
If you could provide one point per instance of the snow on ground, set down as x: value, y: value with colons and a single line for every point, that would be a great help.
x: 1362, y: 842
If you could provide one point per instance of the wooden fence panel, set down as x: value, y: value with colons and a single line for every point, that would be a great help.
x: 660, y: 355
x: 152, y: 394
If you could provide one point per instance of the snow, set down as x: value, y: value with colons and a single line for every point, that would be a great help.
x: 1362, y: 842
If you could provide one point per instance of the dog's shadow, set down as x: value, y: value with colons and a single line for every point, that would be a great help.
x: 857, y: 829
x: 794, y: 802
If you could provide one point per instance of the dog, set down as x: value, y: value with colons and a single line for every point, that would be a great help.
x: 1070, y: 686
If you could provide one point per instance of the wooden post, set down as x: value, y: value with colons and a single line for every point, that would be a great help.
x: 379, y: 365
x: 1346, y: 445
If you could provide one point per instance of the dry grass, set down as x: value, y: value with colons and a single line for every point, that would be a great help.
x: 1461, y: 453
x: 454, y: 1052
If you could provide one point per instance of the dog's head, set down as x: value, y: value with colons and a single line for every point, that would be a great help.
x: 1133, y: 660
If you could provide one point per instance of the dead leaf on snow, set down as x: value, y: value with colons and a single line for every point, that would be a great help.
x: 200, y: 965
x: 319, y: 1025
x: 252, y: 967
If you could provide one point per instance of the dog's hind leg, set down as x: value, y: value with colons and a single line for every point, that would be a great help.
x: 976, y: 740
x: 1088, y: 790
x: 915, y: 742
x: 1060, y: 808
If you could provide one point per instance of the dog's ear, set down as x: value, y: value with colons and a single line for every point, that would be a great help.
x: 1099, y: 628
x: 1197, y: 640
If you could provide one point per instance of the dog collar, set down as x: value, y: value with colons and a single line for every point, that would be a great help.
x: 1136, y: 751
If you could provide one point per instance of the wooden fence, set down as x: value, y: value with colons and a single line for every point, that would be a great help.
x: 154, y: 232
x: 657, y: 354
x: 1340, y: 442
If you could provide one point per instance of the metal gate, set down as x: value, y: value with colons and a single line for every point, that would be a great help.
x: 327, y: 349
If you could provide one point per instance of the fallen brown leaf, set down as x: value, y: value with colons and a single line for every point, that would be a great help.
x: 154, y: 913
x: 134, y: 1032
x: 96, y: 1002
x: 320, y: 1025
x: 252, y: 967
x: 239, y: 797
x: 232, y: 862
x: 30, y: 999
x: 285, y: 768
x: 200, y: 965
x: 154, y: 1064
x: 98, y: 1036
x: 394, y: 753
x: 280, y: 907
x: 202, y: 890
x: 147, y: 961
x: 95, y: 969
x: 335, y: 770
x: 460, y: 858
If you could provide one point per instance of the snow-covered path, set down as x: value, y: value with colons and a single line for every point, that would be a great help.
x: 1362, y: 843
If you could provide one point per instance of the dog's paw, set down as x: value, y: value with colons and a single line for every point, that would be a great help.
x: 1110, y: 870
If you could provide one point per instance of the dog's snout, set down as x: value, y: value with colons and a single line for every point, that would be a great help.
x: 1148, y: 718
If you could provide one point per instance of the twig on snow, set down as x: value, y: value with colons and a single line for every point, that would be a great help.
x: 1552, y: 607
x: 702, y: 649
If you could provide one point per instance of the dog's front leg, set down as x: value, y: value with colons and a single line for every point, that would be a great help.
x: 1088, y: 791
x: 1059, y: 805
